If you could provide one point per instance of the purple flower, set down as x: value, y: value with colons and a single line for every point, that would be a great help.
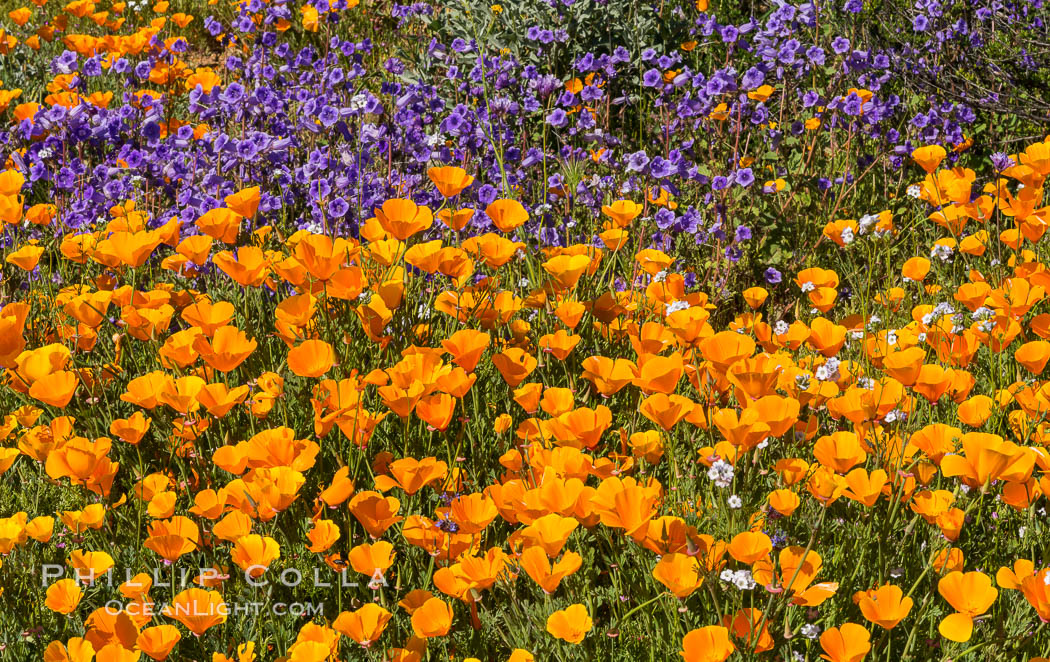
x: 743, y: 233
x: 840, y: 45
x: 636, y: 162
x: 773, y: 276
x: 1002, y: 161
x: 487, y: 194
x: 744, y: 177
x: 557, y: 118
x: 665, y: 218
x: 651, y: 78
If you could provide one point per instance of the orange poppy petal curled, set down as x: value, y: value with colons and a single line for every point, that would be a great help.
x: 956, y: 627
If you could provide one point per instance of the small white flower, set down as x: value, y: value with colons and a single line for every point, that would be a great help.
x: 808, y: 287
x: 914, y: 191
x: 847, y: 235
x: 726, y: 576
x: 660, y: 276
x: 810, y: 631
x: 781, y: 328
x: 735, y: 502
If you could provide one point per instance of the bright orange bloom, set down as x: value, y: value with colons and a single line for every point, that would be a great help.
x: 970, y: 594
x: 847, y: 643
x: 432, y: 619
x: 570, y: 624
x: 197, y: 609
x: 886, y: 606
x: 707, y: 644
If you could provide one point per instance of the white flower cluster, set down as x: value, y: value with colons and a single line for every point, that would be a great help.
x: 943, y: 252
x: 942, y: 309
x: 829, y: 371
x: 742, y: 579
x: 721, y: 472
x: 867, y: 222
x: 914, y: 191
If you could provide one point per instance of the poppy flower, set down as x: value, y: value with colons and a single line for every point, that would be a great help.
x: 157, y: 642
x: 749, y: 546
x: 707, y: 644
x: 173, y: 538
x: 744, y: 624
x: 403, y: 218
x: 372, y: 559
x: 63, y: 596
x: 929, y: 157
x: 680, y: 573
x: 549, y: 532
x: 365, y: 625
x: 535, y: 562
x: 55, y: 389
x: 411, y: 475
x: 916, y: 269
x: 244, y: 202
x: 228, y: 348
x: 506, y: 214
x: 197, y: 609
x: 450, y: 180
x: 375, y: 512
x: 311, y: 359
x: 1036, y: 590
x: 514, y: 365
x: 222, y: 224
x: 254, y: 553
x: 622, y: 212
x: 432, y: 619
x: 847, y: 643
x: 570, y: 624
x: 456, y: 219
x: 886, y: 606
x: 970, y: 594
x: 25, y: 258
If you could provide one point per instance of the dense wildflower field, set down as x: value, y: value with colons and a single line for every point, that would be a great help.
x: 552, y: 330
